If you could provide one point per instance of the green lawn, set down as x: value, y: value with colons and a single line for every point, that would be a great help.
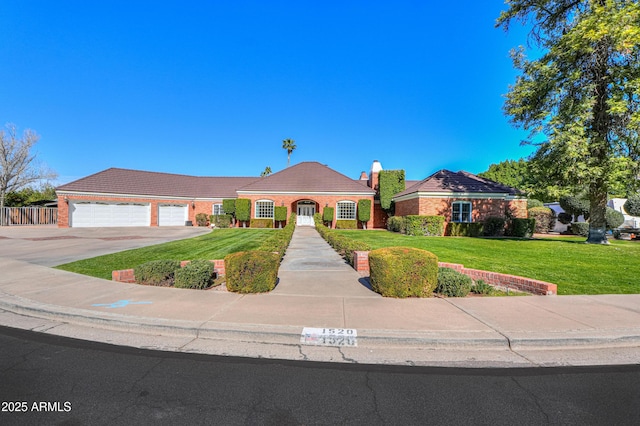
x: 576, y: 268
x: 215, y: 245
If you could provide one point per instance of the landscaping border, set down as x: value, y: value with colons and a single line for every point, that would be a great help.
x: 361, y: 264
x: 128, y: 275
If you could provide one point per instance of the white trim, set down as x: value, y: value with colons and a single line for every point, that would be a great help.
x: 255, y: 209
x: 341, y: 194
x: 62, y: 194
x: 457, y: 195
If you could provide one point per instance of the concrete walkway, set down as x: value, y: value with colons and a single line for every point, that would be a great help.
x: 316, y: 289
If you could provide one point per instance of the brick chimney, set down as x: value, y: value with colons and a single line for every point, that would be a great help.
x: 363, y: 176
x: 376, y: 167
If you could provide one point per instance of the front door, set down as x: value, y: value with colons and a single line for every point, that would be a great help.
x: 306, y: 211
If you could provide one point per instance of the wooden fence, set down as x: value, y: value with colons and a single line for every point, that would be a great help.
x: 10, y: 216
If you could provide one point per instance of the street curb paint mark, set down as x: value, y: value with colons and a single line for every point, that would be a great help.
x: 120, y: 304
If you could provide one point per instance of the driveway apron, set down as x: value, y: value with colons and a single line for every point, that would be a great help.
x: 311, y: 267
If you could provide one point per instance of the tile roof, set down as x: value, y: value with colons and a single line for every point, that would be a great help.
x: 137, y: 182
x: 307, y: 176
x: 447, y: 182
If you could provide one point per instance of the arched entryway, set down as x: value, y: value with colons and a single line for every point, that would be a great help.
x: 305, y: 209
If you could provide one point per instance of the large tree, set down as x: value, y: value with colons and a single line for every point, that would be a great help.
x: 18, y: 166
x: 289, y: 145
x: 582, y: 94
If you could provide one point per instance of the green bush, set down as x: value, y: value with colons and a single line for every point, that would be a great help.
x: 452, y: 283
x: 575, y: 205
x: 465, y: 229
x: 261, y: 223
x: 614, y: 218
x: 346, y: 224
x: 364, y: 212
x: 545, y: 219
x: 580, y: 228
x: 390, y: 182
x: 345, y: 246
x: 243, y: 210
x: 424, y: 225
x: 564, y: 218
x: 220, y: 220
x: 280, y: 213
x: 403, y: 272
x: 157, y: 272
x: 201, y: 219
x: 481, y: 287
x: 198, y: 274
x: 327, y: 215
x: 632, y: 205
x: 251, y: 271
x: 532, y: 202
x: 521, y: 228
x: 396, y: 224
x: 279, y: 241
x: 494, y: 226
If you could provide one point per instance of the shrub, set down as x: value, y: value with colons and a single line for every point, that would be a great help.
x: 201, y: 219
x: 327, y: 215
x: 532, y: 202
x: 403, y: 271
x: 632, y: 205
x: 220, y: 220
x: 494, y: 226
x: 614, y: 218
x: 575, y: 205
x: 564, y: 218
x: 466, y: 229
x: 453, y: 283
x: 364, y: 212
x: 243, y: 210
x: 396, y: 224
x: 346, y: 224
x: 157, y: 272
x: 580, y: 228
x: 390, y: 182
x: 261, y: 223
x: 251, y: 271
x: 198, y: 274
x: 345, y: 246
x: 481, y: 287
x: 280, y: 213
x: 521, y: 228
x: 229, y: 207
x: 279, y: 241
x: 545, y: 219
x: 424, y: 225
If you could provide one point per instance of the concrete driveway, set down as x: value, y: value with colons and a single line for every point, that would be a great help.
x: 51, y: 246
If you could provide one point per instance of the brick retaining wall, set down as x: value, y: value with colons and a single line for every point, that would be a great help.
x: 361, y: 264
x: 128, y: 275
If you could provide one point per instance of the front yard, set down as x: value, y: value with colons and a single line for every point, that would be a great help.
x: 215, y: 245
x: 576, y: 268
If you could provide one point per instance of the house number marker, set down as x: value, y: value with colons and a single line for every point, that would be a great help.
x: 329, y: 336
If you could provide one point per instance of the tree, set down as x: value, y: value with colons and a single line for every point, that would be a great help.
x: 18, y: 168
x: 290, y: 146
x: 576, y: 205
x: 582, y: 94
x: 267, y: 171
x: 364, y: 212
x: 390, y: 182
x: 509, y: 172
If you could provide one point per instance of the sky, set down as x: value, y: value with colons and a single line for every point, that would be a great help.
x: 211, y: 88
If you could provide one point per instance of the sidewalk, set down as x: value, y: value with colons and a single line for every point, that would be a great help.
x: 317, y: 289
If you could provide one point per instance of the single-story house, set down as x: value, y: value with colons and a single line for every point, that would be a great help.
x: 122, y: 197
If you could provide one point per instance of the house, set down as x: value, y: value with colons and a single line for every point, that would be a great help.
x: 122, y: 197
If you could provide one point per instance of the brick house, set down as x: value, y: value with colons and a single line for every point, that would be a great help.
x: 459, y: 197
x: 122, y: 197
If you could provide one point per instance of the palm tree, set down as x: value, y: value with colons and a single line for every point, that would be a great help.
x: 267, y: 171
x: 290, y: 146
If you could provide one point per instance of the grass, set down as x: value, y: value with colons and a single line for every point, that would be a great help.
x: 576, y: 268
x: 215, y: 245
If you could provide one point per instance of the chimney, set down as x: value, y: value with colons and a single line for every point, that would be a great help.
x: 376, y: 167
x: 363, y: 176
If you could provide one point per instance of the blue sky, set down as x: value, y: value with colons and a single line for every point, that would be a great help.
x: 212, y: 88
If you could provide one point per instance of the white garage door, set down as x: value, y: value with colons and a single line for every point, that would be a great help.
x: 98, y: 214
x: 172, y: 214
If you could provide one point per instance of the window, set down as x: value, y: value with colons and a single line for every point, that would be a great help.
x: 346, y: 210
x: 461, y: 211
x: 217, y: 209
x: 264, y: 209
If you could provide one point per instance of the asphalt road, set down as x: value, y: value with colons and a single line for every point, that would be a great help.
x: 46, y: 379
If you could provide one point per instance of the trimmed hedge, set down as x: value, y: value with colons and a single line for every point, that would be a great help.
x: 279, y: 241
x: 614, y: 218
x: 364, y: 212
x: 403, y: 272
x: 452, y: 283
x: 545, y: 219
x: 261, y: 223
x: 580, y: 228
x: 280, y: 213
x: 494, y: 226
x: 521, y: 228
x: 565, y: 218
x: 465, y: 229
x: 251, y: 271
x: 327, y: 214
x: 157, y: 272
x: 220, y: 220
x: 345, y: 246
x: 198, y: 274
x: 201, y: 219
x: 427, y: 226
x: 396, y: 224
x: 632, y: 205
x: 243, y: 210
x: 390, y: 182
x: 346, y: 224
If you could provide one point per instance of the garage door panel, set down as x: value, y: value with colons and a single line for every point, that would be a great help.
x: 100, y: 214
x: 172, y: 214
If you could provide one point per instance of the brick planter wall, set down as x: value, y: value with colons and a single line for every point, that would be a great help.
x: 361, y: 264
x: 128, y: 275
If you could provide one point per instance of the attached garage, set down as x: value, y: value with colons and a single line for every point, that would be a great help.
x: 101, y: 214
x: 173, y: 214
